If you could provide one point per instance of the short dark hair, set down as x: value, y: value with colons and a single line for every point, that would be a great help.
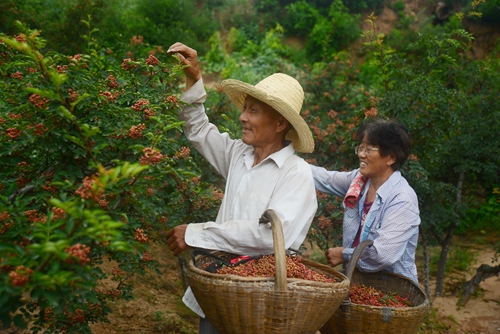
x: 391, y: 136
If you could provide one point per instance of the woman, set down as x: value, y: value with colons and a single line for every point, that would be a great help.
x: 379, y: 203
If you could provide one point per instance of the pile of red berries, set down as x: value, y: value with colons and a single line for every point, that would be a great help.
x: 368, y: 295
x: 265, y: 266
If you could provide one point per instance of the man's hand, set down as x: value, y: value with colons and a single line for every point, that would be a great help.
x: 188, y: 57
x: 175, y: 239
x: 334, y: 256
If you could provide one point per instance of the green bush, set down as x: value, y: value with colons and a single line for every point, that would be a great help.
x: 486, y: 217
x: 333, y: 33
x: 301, y: 18
x: 94, y: 166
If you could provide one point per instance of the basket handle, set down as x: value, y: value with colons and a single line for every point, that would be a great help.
x: 351, y: 265
x: 279, y: 248
x: 345, y: 306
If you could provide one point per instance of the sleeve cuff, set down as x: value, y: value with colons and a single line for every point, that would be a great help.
x: 195, y: 93
x: 193, y: 234
x: 347, y: 254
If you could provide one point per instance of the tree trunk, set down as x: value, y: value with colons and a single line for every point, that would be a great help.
x: 426, y: 262
x: 469, y: 288
x: 445, y: 246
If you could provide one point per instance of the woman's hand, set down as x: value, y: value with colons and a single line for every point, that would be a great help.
x: 334, y: 256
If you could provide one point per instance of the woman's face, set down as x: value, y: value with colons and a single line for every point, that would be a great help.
x: 371, y: 163
x: 259, y: 123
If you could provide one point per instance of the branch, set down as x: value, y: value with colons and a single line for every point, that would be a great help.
x: 19, y: 192
x: 469, y: 288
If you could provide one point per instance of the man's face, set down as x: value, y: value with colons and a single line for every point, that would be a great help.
x: 259, y: 123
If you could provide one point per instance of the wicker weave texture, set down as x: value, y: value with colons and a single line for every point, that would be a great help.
x: 358, y: 319
x: 241, y: 305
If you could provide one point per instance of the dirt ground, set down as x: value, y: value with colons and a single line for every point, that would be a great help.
x: 481, y: 315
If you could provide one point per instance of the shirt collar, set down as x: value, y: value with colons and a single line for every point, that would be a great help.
x: 388, y: 185
x: 278, y: 157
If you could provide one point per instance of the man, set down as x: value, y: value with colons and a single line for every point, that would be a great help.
x: 261, y: 170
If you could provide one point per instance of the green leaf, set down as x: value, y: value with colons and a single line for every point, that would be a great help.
x: 66, y: 113
x: 19, y: 321
x: 75, y: 140
x: 89, y: 131
x: 51, y: 95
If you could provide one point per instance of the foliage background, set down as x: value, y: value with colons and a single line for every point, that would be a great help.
x: 86, y: 87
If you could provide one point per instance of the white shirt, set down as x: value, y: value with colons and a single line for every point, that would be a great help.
x: 282, y: 182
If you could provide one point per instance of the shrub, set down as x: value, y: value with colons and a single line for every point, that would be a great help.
x: 94, y: 167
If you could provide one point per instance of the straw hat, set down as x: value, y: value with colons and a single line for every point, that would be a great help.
x: 285, y: 95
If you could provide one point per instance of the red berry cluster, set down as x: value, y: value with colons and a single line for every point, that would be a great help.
x: 135, y: 132
x: 139, y: 105
x: 182, y: 153
x: 266, y: 267
x: 22, y: 181
x: 11, y: 115
x: 128, y: 64
x: 149, y: 113
x: 58, y: 213
x: 20, y: 276
x: 152, y: 60
x: 151, y: 156
x: 141, y: 236
x: 172, y: 99
x: 35, y: 217
x: 20, y: 39
x: 13, y: 133
x: 111, y: 97
x: 39, y: 101
x: 78, y: 254
x: 136, y: 40
x: 324, y: 222
x: 90, y: 189
x: 17, y: 75
x: 112, y: 83
x: 372, y: 112
x: 73, y: 94
x: 61, y: 68
x: 40, y: 129
x: 77, y: 317
x: 368, y: 295
x: 75, y: 58
x: 5, y: 222
x: 118, y: 272
x: 146, y: 257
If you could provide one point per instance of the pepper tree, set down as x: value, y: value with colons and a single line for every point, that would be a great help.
x: 93, y: 167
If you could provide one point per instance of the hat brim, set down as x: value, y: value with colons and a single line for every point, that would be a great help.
x: 300, y: 135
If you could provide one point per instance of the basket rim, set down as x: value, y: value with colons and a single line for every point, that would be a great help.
x: 229, y: 277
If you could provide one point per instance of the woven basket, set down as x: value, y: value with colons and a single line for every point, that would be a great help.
x: 253, y: 305
x: 352, y: 318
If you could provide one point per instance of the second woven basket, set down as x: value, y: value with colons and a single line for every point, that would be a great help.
x: 253, y: 305
x: 351, y: 318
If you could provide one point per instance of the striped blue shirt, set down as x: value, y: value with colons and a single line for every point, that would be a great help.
x: 392, y: 222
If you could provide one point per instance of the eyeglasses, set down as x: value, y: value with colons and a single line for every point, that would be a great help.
x: 366, y: 150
